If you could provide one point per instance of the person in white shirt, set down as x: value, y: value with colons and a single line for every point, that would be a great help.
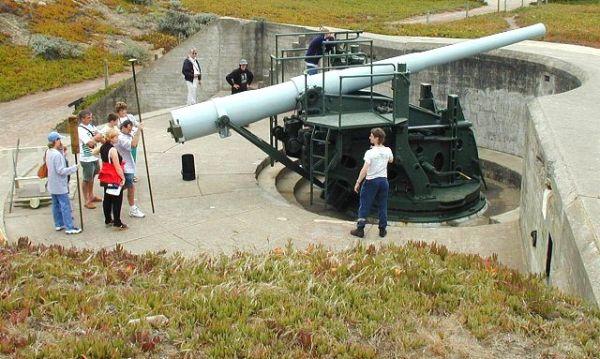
x: 123, y: 114
x: 121, y: 111
x: 192, y: 72
x: 58, y: 184
x: 89, y: 137
x: 112, y: 122
x: 375, y: 187
x: 127, y: 141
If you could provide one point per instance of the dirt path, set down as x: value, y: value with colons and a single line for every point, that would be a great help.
x: 492, y: 6
x: 31, y: 117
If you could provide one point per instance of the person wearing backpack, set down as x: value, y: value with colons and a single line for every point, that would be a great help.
x: 58, y: 184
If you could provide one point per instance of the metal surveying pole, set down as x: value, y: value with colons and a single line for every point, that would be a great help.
x: 74, y: 133
x: 137, y: 99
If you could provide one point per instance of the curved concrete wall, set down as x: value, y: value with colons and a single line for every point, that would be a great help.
x: 535, y: 100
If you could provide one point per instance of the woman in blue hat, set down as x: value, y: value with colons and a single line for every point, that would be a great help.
x: 58, y: 184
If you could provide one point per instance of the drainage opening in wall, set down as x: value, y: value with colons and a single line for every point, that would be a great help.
x: 549, y: 257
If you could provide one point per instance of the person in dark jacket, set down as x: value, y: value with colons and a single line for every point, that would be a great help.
x: 316, y: 49
x: 193, y: 74
x: 240, y: 78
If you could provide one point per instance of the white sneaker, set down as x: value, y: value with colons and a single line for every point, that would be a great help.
x: 135, y: 211
x: 74, y: 230
x: 59, y: 228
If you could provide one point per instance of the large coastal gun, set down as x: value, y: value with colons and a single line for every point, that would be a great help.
x: 435, y: 175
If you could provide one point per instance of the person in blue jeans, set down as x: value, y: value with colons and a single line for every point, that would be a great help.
x: 58, y: 184
x: 315, y: 49
x: 375, y: 187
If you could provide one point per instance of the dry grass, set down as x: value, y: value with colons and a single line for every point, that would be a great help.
x: 412, y: 301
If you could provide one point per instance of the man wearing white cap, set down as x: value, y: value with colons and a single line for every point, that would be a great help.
x: 240, y: 78
x: 58, y: 184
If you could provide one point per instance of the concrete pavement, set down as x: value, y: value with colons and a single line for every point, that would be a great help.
x: 226, y: 209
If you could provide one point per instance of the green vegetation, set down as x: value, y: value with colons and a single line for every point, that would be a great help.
x: 93, y: 98
x: 418, y: 300
x: 575, y: 22
x: 477, y: 26
x: 65, y: 19
x: 22, y: 74
x: 356, y: 14
x: 159, y: 40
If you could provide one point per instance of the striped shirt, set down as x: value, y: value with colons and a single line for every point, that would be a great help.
x: 86, y: 133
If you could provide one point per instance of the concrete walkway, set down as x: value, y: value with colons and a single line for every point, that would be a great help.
x: 490, y: 7
x: 226, y: 209
x: 45, y: 110
x: 30, y: 118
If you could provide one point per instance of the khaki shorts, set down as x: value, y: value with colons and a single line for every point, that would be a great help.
x: 90, y: 169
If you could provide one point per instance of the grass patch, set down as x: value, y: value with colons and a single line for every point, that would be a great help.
x: 356, y: 14
x: 362, y: 302
x: 575, y: 22
x: 22, y: 74
x: 471, y: 27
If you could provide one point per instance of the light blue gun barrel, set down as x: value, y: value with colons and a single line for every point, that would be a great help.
x: 247, y: 107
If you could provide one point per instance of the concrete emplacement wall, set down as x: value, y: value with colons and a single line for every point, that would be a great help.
x: 534, y: 100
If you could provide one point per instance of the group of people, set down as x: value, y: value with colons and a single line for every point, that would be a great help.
x: 239, y: 79
x: 115, y: 144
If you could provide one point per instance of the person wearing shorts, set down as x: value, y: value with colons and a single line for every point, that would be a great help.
x: 128, y: 141
x: 89, y: 137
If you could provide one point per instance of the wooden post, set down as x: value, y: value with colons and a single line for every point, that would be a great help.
x: 105, y: 73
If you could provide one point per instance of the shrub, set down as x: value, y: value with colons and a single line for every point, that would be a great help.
x: 135, y: 51
x: 141, y: 2
x: 178, y: 23
x: 175, y: 4
x: 159, y: 40
x: 10, y: 7
x: 54, y: 48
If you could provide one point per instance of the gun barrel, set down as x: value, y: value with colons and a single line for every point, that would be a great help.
x: 246, y: 107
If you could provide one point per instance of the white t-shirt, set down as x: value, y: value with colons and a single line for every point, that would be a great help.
x: 124, y: 149
x: 86, y: 133
x: 104, y: 129
x: 129, y: 117
x: 377, y: 158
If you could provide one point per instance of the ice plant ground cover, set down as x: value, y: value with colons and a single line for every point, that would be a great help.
x: 411, y: 301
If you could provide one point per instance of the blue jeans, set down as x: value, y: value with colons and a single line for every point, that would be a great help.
x: 312, y: 70
x: 373, y: 190
x: 61, y: 210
